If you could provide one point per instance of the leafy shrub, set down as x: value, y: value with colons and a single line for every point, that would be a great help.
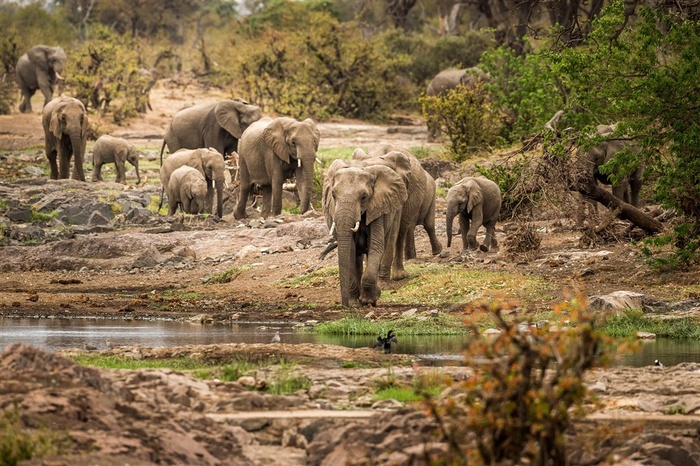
x: 466, y: 116
x: 18, y: 443
x: 104, y: 75
x: 517, y: 407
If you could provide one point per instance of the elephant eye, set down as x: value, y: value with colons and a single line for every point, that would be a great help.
x: 363, y: 198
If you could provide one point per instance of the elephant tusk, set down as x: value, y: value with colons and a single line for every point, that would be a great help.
x: 299, y: 163
x: 318, y: 160
x: 356, y: 227
x: 330, y: 232
x: 58, y: 76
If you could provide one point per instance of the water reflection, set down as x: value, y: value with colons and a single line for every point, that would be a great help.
x: 433, y: 350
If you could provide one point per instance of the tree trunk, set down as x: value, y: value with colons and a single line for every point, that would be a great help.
x: 626, y: 211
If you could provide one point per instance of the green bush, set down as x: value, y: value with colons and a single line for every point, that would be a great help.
x: 17, y: 443
x: 466, y: 116
x: 104, y: 74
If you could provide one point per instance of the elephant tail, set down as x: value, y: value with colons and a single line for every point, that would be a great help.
x: 162, y: 149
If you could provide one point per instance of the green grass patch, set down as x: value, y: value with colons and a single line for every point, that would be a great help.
x: 319, y: 277
x: 328, y: 155
x: 227, y: 276
x: 42, y: 217
x: 402, y: 394
x: 228, y: 372
x: 18, y: 443
x: 626, y: 324
x: 286, y: 381
x: 123, y: 362
x: 443, y: 324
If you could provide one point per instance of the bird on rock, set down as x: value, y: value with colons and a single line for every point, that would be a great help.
x: 658, y: 363
x: 385, y: 343
x: 276, y: 338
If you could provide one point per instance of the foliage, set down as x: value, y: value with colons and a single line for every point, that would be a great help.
x: 515, y: 201
x: 628, y: 323
x: 642, y: 76
x: 226, y: 276
x: 104, y: 75
x: 466, y: 116
x: 518, y: 407
x: 18, y: 443
x: 443, y: 324
x: 286, y: 381
x: 322, y: 69
x: 525, y: 89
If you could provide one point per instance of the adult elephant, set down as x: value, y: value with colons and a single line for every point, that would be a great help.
x: 66, y: 128
x: 110, y: 149
x: 39, y: 68
x: 627, y: 187
x: 188, y: 189
x: 445, y: 81
x: 419, y: 208
x: 271, y: 151
x: 360, y: 207
x: 208, y: 162
x: 217, y: 125
x: 478, y: 202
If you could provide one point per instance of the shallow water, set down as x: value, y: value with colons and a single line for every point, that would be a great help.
x: 56, y: 334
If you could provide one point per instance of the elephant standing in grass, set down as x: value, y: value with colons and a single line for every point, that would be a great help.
x: 209, y: 163
x: 66, y: 129
x: 419, y: 208
x: 362, y: 207
x: 39, y: 68
x: 188, y: 189
x: 218, y: 125
x: 478, y: 202
x: 271, y: 151
x: 109, y: 149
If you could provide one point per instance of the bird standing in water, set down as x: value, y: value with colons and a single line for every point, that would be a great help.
x: 276, y: 338
x: 385, y: 343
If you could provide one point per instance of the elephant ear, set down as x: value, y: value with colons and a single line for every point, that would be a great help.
x: 37, y: 55
x: 188, y: 189
x: 228, y: 116
x: 327, y: 197
x: 475, y: 194
x: 314, y: 129
x: 56, y: 123
x: 195, y: 160
x: 274, y: 136
x: 398, y: 161
x: 389, y: 192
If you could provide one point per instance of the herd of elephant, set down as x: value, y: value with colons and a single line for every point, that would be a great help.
x: 372, y: 202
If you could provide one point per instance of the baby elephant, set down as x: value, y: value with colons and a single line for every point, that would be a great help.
x: 108, y: 149
x: 187, y: 188
x: 478, y: 202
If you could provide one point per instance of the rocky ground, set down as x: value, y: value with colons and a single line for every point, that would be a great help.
x: 99, y: 250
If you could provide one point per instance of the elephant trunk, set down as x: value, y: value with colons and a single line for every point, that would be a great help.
x: 78, y: 146
x: 305, y: 183
x: 451, y: 214
x: 219, y: 185
x: 138, y: 176
x: 345, y: 224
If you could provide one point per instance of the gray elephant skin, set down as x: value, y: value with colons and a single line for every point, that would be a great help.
x: 271, y: 151
x: 449, y: 79
x: 39, y: 68
x: 478, y: 202
x: 209, y: 163
x: 188, y: 189
x: 218, y: 125
x: 110, y: 149
x: 419, y: 208
x: 66, y: 129
x: 361, y: 207
x: 629, y: 186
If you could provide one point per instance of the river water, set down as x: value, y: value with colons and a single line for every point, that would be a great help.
x: 56, y: 334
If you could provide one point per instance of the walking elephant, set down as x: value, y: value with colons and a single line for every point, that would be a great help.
x: 39, y: 68
x: 271, y: 151
x: 478, y: 202
x: 628, y: 187
x: 188, y: 189
x: 109, y: 149
x: 419, y: 208
x: 218, y: 125
x: 209, y: 163
x: 66, y: 129
x: 362, y: 207
x: 445, y: 81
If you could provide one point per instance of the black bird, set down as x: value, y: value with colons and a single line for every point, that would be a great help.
x: 658, y: 363
x: 386, y: 342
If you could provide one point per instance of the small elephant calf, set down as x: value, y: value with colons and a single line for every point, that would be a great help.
x: 108, y: 149
x: 188, y: 188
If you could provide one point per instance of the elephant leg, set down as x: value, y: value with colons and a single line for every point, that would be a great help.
x: 490, y: 239
x: 355, y: 281
x: 172, y: 204
x: 477, y: 219
x: 410, y: 245
x: 369, y: 290
x: 620, y: 192
x: 464, y: 229
x: 187, y: 205
x: 97, y: 171
x: 397, y: 252
x: 209, y: 199
x: 63, y: 162
x: 267, y: 196
x: 635, y: 186
x: 244, y: 191
x: 26, y: 105
x: 277, y: 182
x: 429, y: 225
x: 121, y: 172
x: 51, y: 155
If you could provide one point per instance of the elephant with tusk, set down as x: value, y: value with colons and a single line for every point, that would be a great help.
x: 39, y: 69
